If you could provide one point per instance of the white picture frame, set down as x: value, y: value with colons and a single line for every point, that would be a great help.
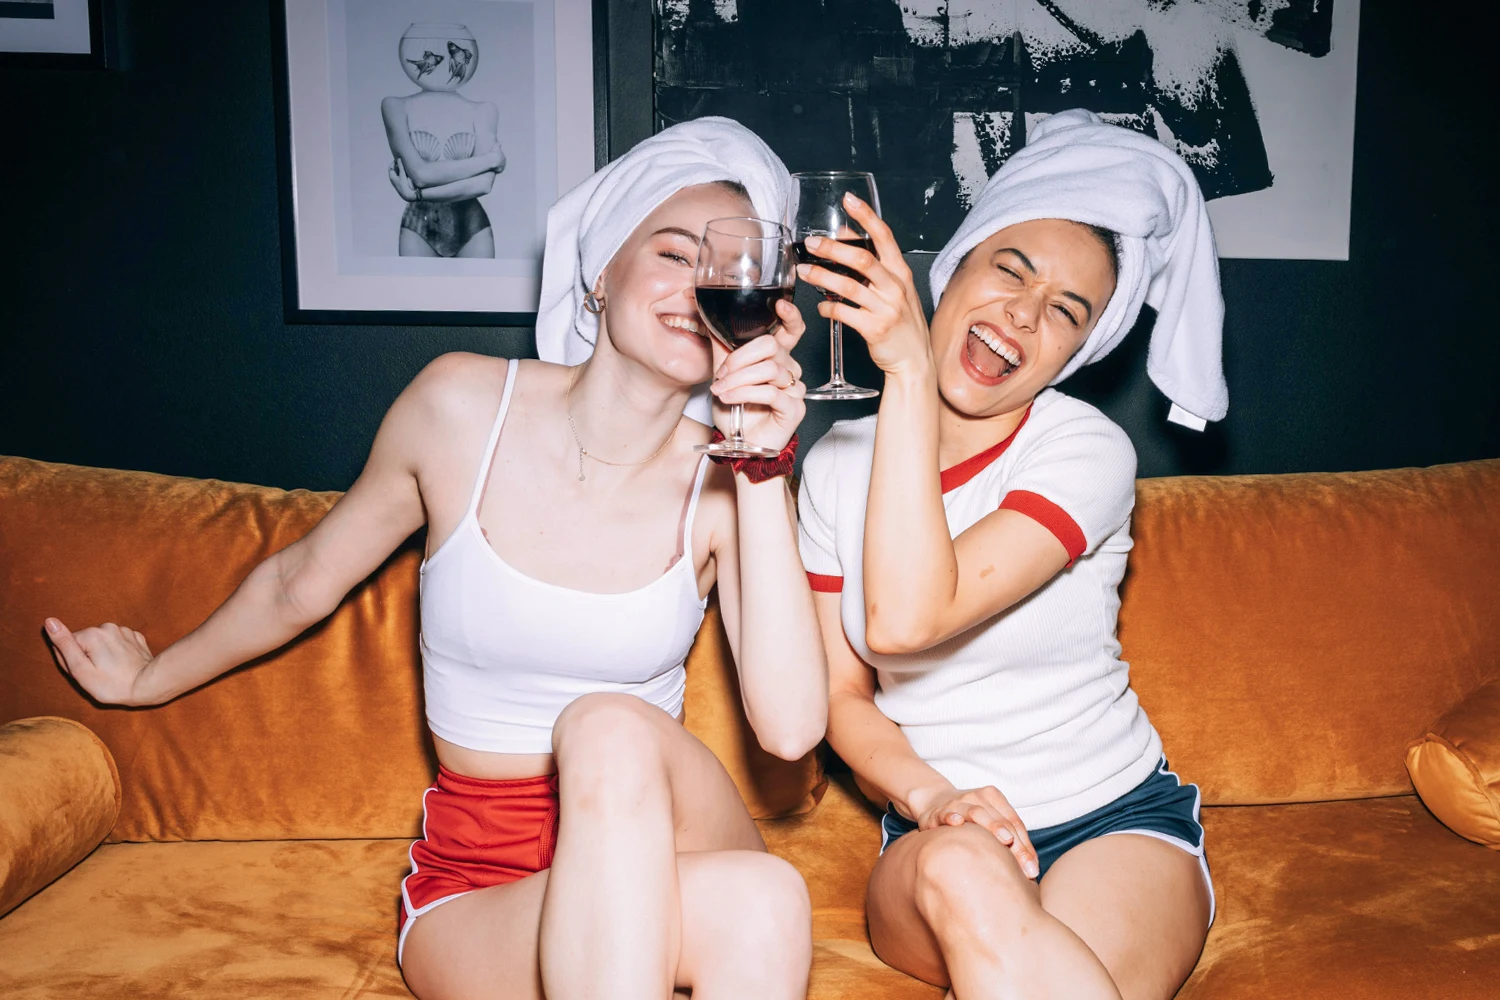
x: 52, y: 33
x: 356, y: 247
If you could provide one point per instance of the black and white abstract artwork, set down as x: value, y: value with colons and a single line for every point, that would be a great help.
x: 429, y: 138
x: 932, y: 96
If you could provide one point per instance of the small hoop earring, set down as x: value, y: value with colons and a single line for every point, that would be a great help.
x: 593, y: 303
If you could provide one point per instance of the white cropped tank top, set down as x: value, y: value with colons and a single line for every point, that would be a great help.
x: 504, y: 653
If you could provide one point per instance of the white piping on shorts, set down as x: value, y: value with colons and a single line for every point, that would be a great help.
x: 412, y: 912
x: 1198, y: 852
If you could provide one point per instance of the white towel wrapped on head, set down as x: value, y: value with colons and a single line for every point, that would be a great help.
x: 1076, y: 167
x: 589, y: 224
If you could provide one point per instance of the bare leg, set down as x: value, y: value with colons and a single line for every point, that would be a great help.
x: 481, y: 244
x: 1140, y: 903
x: 409, y: 244
x: 951, y: 907
x: 626, y: 910
x: 746, y: 933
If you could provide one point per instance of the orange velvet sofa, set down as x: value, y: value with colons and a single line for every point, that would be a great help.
x: 1288, y: 636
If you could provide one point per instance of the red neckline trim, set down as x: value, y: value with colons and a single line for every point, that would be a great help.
x: 956, y: 475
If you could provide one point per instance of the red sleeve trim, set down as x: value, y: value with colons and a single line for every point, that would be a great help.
x: 826, y: 584
x: 1050, y: 516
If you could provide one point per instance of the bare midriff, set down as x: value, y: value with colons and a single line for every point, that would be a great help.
x: 492, y: 766
x: 495, y: 766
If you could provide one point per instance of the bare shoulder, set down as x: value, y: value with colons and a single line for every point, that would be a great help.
x: 486, y: 112
x: 393, y: 108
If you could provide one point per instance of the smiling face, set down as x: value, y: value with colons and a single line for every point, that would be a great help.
x: 650, y: 314
x: 1018, y: 307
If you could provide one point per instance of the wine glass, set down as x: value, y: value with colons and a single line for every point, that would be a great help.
x: 816, y: 208
x: 744, y: 268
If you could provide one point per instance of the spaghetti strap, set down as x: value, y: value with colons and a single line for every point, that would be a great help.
x: 687, y: 522
x: 488, y: 460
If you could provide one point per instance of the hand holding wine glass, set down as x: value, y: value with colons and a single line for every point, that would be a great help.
x: 743, y: 284
x: 818, y: 210
x: 880, y: 300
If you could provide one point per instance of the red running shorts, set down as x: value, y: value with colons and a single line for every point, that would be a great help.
x: 477, y: 833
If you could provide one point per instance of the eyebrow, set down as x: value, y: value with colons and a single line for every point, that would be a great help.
x: 1026, y: 262
x: 677, y: 231
x: 1081, y: 301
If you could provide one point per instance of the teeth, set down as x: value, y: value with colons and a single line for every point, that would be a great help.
x: 997, y: 345
x: 681, y: 323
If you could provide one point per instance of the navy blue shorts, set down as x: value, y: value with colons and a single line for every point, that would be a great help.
x: 1161, y: 807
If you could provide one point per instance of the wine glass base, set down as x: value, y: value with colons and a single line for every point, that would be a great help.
x: 723, y: 449
x: 841, y: 390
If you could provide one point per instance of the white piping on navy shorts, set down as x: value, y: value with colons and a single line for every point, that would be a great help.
x: 1197, y: 852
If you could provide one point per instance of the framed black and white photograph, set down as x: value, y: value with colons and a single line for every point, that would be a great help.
x: 424, y: 142
x: 52, y: 33
x: 932, y: 96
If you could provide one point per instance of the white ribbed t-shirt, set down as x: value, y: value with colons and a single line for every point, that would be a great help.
x: 1036, y: 700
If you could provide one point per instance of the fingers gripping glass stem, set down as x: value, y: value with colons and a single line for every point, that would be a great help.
x: 744, y: 269
x: 816, y: 208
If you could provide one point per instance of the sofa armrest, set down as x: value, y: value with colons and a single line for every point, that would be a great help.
x: 1455, y: 766
x: 59, y: 797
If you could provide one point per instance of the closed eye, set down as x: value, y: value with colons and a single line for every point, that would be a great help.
x: 1067, y: 316
x: 674, y: 255
x: 1012, y: 275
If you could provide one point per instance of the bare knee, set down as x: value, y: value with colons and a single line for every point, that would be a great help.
x: 613, y: 739
x: 607, y: 722
x: 776, y: 913
x: 968, y: 884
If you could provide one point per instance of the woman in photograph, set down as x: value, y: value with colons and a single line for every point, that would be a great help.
x: 446, y: 147
x: 967, y: 544
x: 578, y: 841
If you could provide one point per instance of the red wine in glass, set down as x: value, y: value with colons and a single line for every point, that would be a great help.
x: 744, y: 269
x: 736, y: 316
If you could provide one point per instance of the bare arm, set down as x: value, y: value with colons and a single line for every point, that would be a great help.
x: 883, y: 761
x: 423, y: 174
x: 473, y: 187
x: 921, y: 585
x: 769, y: 619
x: 288, y: 592
x: 763, y: 590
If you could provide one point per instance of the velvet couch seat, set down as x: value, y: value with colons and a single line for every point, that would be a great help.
x: 1288, y: 636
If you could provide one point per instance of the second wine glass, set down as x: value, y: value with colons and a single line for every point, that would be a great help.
x: 816, y: 208
x: 744, y: 268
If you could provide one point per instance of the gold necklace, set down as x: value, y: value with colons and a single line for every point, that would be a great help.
x: 584, y: 452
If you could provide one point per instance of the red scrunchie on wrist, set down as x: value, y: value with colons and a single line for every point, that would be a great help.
x: 758, y: 470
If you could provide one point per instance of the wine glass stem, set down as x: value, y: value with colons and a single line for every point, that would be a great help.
x: 836, y: 351
x: 737, y: 425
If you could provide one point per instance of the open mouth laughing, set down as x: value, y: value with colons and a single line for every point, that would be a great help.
x: 990, y: 356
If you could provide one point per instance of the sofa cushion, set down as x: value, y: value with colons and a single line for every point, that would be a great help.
x: 1333, y: 900
x: 1456, y: 766
x: 1369, y: 899
x: 59, y: 796
x: 1288, y: 635
x: 324, y: 738
x: 296, y: 920
x: 1326, y: 901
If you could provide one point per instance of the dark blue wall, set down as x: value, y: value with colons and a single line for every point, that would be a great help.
x: 141, y: 321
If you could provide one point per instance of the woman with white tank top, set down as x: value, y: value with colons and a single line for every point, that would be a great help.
x: 578, y: 841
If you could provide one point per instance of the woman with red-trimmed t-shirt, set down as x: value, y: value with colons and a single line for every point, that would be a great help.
x: 966, y: 546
